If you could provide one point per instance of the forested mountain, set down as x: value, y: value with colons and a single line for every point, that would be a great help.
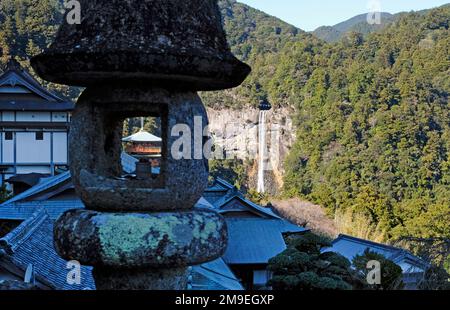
x: 355, y: 24
x: 257, y: 39
x: 359, y: 24
x: 373, y: 133
x: 373, y: 127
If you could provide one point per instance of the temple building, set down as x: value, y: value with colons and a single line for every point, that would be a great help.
x: 33, y: 129
x: 143, y: 143
x: 146, y: 149
x: 255, y: 233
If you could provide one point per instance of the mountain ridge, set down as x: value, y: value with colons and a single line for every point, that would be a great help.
x: 358, y: 23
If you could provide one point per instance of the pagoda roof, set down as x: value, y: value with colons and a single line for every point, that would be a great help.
x: 19, y: 91
x: 142, y: 136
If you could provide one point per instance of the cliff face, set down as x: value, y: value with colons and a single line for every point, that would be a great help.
x: 236, y: 134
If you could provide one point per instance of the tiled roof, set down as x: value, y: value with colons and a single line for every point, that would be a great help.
x: 256, y: 240
x: 219, y: 185
x: 204, y: 203
x: 19, y: 211
x: 16, y: 75
x: 43, y: 185
x: 32, y: 244
x: 215, y: 275
x: 218, y: 190
x: 221, y: 203
x: 349, y: 247
x: 142, y: 136
x: 30, y: 179
x: 251, y: 240
x: 28, y: 105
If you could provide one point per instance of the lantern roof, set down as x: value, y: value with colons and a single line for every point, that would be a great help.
x: 143, y: 137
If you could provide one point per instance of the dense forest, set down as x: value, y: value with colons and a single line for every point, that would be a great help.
x: 373, y: 138
x: 373, y: 126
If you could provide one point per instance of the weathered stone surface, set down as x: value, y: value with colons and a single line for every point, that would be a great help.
x: 126, y: 240
x: 98, y: 119
x: 171, y: 42
x: 140, y: 279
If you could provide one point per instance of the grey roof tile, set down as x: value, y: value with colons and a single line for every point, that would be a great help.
x: 215, y: 275
x: 44, y: 184
x: 349, y: 247
x: 32, y: 243
x: 20, y: 211
x: 255, y: 240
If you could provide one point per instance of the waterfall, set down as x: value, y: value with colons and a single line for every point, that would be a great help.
x: 262, y: 151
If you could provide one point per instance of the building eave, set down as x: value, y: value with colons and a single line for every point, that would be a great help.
x: 34, y: 125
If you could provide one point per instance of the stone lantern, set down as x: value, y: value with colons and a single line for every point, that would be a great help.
x: 139, y: 58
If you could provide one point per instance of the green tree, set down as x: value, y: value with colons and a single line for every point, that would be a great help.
x: 233, y: 171
x: 391, y: 273
x: 304, y: 267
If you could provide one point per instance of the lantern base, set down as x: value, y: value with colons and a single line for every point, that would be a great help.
x: 141, y: 240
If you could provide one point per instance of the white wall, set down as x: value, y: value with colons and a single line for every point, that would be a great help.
x: 7, y: 150
x: 59, y: 117
x: 60, y: 147
x: 33, y: 116
x: 30, y: 150
x: 8, y: 117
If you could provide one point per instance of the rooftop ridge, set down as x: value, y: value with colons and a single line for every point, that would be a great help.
x: 373, y: 243
x: 240, y: 196
x: 15, y: 238
x: 41, y: 186
x: 14, y: 71
x: 225, y: 183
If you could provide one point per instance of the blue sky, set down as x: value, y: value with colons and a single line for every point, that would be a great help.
x: 310, y: 14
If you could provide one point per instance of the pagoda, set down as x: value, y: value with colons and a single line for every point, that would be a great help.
x: 147, y: 149
x: 143, y: 144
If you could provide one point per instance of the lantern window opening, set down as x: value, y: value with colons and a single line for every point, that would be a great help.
x: 143, y: 146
